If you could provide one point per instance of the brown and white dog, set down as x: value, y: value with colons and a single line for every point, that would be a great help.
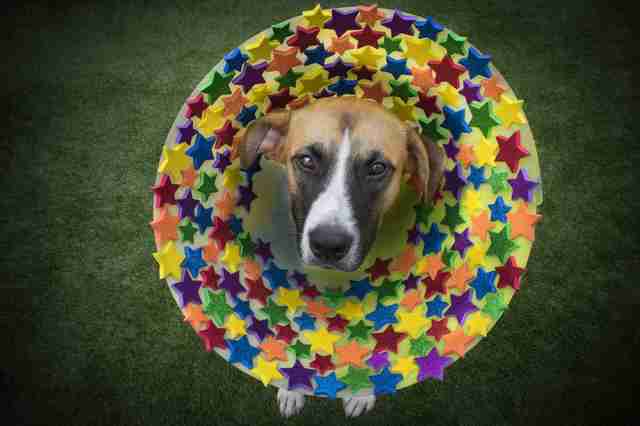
x: 345, y: 159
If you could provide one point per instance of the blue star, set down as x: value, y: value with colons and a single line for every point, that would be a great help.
x: 476, y: 176
x: 383, y: 315
x: 455, y: 122
x: 316, y: 55
x: 359, y: 288
x: 201, y: 150
x: 242, y: 308
x: 305, y: 322
x: 429, y: 28
x: 436, y: 306
x: 396, y: 67
x: 499, y: 210
x: 247, y: 115
x: 193, y: 260
x: 433, y: 240
x: 385, y: 382
x: 241, y: 351
x: 277, y: 277
x: 477, y: 63
x: 235, y: 224
x: 483, y: 283
x: 234, y: 60
x: 328, y: 386
x: 203, y: 217
x: 343, y: 87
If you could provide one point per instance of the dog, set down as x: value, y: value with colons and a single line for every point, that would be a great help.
x: 345, y: 160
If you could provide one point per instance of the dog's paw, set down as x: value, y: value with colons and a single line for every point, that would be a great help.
x: 290, y: 403
x: 357, y: 405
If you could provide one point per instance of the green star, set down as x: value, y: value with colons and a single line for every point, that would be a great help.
x: 281, y: 32
x: 431, y: 129
x: 357, y: 378
x: 207, y: 186
x: 452, y: 216
x: 454, y: 44
x: 218, y: 85
x: 391, y: 45
x: 494, y: 306
x: 402, y: 89
x: 387, y: 289
x: 275, y: 313
x: 360, y: 331
x: 247, y: 246
x: 301, y: 350
x: 289, y: 79
x: 187, y: 231
x: 498, y: 181
x: 422, y: 213
x: 420, y: 346
x: 215, y: 306
x: 501, y: 246
x: 333, y: 296
x: 448, y: 256
x: 483, y: 118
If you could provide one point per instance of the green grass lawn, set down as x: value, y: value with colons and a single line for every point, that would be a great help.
x: 91, y: 336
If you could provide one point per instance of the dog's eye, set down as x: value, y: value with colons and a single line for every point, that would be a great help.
x: 377, y: 169
x: 306, y: 162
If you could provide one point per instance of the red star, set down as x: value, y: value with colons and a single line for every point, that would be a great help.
x: 438, y: 329
x: 165, y: 192
x: 337, y: 323
x: 195, y: 106
x: 510, y: 274
x: 511, y: 150
x: 367, y: 36
x: 388, y: 340
x: 428, y: 104
x: 304, y: 37
x: 221, y: 232
x: 322, y: 363
x: 213, y: 337
x: 210, y: 278
x: 447, y: 70
x: 257, y: 290
x: 225, y: 134
x: 380, y: 268
x: 280, y: 99
x: 310, y: 291
x: 436, y: 285
x: 364, y: 73
x: 285, y: 333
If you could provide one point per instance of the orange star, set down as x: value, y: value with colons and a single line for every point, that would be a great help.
x: 273, y: 348
x: 299, y: 102
x: 460, y: 277
x: 235, y: 146
x: 188, y: 177
x: 522, y: 222
x: 234, y: 103
x: 411, y: 299
x: 165, y: 227
x: 341, y: 44
x: 405, y: 261
x: 194, y: 315
x: 374, y: 91
x: 481, y: 224
x: 492, y: 88
x: 369, y: 14
x: 318, y: 309
x: 252, y: 269
x: 211, y: 251
x: 423, y: 78
x: 431, y: 264
x: 225, y: 206
x: 457, y: 342
x: 284, y: 60
x: 466, y: 154
x: 351, y: 353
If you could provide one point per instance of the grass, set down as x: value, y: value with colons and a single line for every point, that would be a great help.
x: 91, y: 336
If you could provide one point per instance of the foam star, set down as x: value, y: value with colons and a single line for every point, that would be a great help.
x: 289, y: 298
x: 357, y: 378
x: 433, y: 240
x: 454, y: 181
x: 351, y: 310
x: 498, y: 181
x: 260, y: 48
x: 210, y: 277
x: 404, y: 365
x: 454, y: 43
x: 304, y: 37
x: 337, y: 323
x: 174, y: 161
x: 367, y: 36
x: 522, y: 187
x: 212, y: 119
x: 436, y: 284
x: 385, y: 382
x: 460, y: 277
x: 447, y: 70
x: 511, y: 150
x: 165, y: 227
x: 484, y: 118
x: 359, y: 288
x: 185, y: 132
x: 351, y: 354
x: 316, y: 17
x: 231, y: 257
x: 225, y: 205
x: 522, y: 222
x: 234, y: 60
x: 259, y: 92
x: 343, y: 87
x: 432, y: 365
x: 383, y: 315
x: 380, y: 268
x: 405, y: 261
x: 509, y: 111
x: 413, y: 323
x: 471, y: 201
x: 455, y: 122
x: 280, y: 100
x: 374, y: 91
x: 187, y: 290
x: 399, y: 23
x: 461, y: 306
x: 212, y: 337
x: 423, y: 50
x: 369, y: 14
x: 465, y: 154
x: 322, y: 363
x: 471, y: 91
x: 477, y: 63
x: 316, y: 55
x: 499, y: 209
x: 478, y: 324
x: 194, y: 106
x: 169, y: 259
x: 368, y: 56
x: 476, y: 254
x: 452, y: 217
x: 396, y: 67
x: 284, y: 59
x: 388, y: 340
x: 216, y: 86
x: 462, y: 242
x: 312, y: 81
x: 341, y: 22
x: 231, y: 283
x: 428, y: 104
x: 266, y: 371
x: 423, y: 78
x: 494, y: 306
x: 429, y: 28
x: 242, y: 352
x: 485, y: 151
x: 341, y: 44
x: 281, y: 32
x: 235, y: 326
x: 193, y: 261
x: 420, y: 346
x: 321, y: 340
x: 430, y: 265
x: 436, y: 307
x: 338, y: 68
x: 457, y: 342
x: 328, y: 386
x: 378, y: 360
x: 483, y: 283
x: 403, y: 110
x: 317, y: 308
x: 449, y: 95
x: 193, y: 314
x: 492, y: 88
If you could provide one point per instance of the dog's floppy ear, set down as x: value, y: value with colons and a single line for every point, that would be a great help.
x: 264, y: 136
x: 426, y: 163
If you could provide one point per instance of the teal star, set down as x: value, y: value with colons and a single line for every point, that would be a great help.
x: 187, y: 231
x: 387, y: 289
x: 356, y: 378
x: 494, y: 306
x: 452, y: 216
x: 454, y: 44
x: 420, y: 346
x: 218, y: 85
x: 483, y: 118
x: 275, y: 313
x: 498, y: 181
x: 402, y: 89
x: 215, y: 306
x: 360, y: 331
x: 289, y: 79
x: 431, y: 129
x: 391, y: 45
x: 281, y: 32
x: 501, y: 246
x: 207, y: 186
x: 247, y: 246
x: 301, y: 350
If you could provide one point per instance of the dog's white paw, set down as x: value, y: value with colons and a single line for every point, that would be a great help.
x: 357, y: 405
x: 289, y: 402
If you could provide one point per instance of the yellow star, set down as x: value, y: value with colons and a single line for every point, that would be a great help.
x: 413, y: 322
x: 321, y: 340
x: 477, y: 324
x: 476, y: 254
x: 422, y: 50
x: 404, y: 365
x: 368, y: 56
x: 212, y: 119
x: 261, y: 48
x: 509, y: 111
x: 449, y: 95
x: 231, y: 178
x: 235, y: 326
x: 174, y: 161
x: 471, y: 201
x: 316, y: 16
x: 266, y: 371
x: 289, y: 298
x: 312, y: 81
x: 259, y: 93
x: 231, y: 257
x: 351, y: 310
x: 486, y: 152
x: 402, y: 110
x: 169, y: 259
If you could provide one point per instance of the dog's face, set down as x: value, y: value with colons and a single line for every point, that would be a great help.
x: 345, y: 159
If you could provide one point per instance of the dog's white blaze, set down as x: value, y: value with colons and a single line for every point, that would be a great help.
x: 333, y: 207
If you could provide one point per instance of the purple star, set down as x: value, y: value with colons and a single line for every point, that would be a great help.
x: 188, y: 290
x: 471, y: 91
x: 250, y: 75
x: 454, y: 181
x: 246, y: 197
x: 187, y: 206
x: 260, y: 329
x: 432, y: 365
x: 413, y: 235
x: 411, y: 282
x: 379, y: 360
x: 299, y: 376
x: 522, y: 186
x: 461, y: 306
x: 231, y: 283
x: 342, y: 22
x: 399, y: 23
x: 222, y: 161
x: 451, y: 149
x: 263, y: 250
x: 364, y: 73
x: 185, y: 132
x: 462, y: 242
x: 300, y: 278
x: 338, y: 68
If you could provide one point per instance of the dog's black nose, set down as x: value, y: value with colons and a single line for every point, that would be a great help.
x: 329, y: 243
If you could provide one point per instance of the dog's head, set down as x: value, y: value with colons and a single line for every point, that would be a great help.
x: 345, y: 159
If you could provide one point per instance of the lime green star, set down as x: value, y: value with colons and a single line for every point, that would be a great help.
x: 187, y: 231
x: 247, y: 246
x: 275, y: 313
x: 432, y: 129
x: 360, y: 331
x: 483, y: 118
x: 402, y: 89
x: 452, y: 216
x: 498, y: 181
x: 207, y: 186
x: 454, y: 44
x: 422, y: 213
x: 501, y: 245
x: 387, y: 289
x: 391, y: 44
x: 281, y: 32
x: 215, y: 306
x: 420, y: 346
x: 289, y: 79
x: 494, y: 306
x: 357, y: 378
x: 301, y: 350
x: 218, y: 85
